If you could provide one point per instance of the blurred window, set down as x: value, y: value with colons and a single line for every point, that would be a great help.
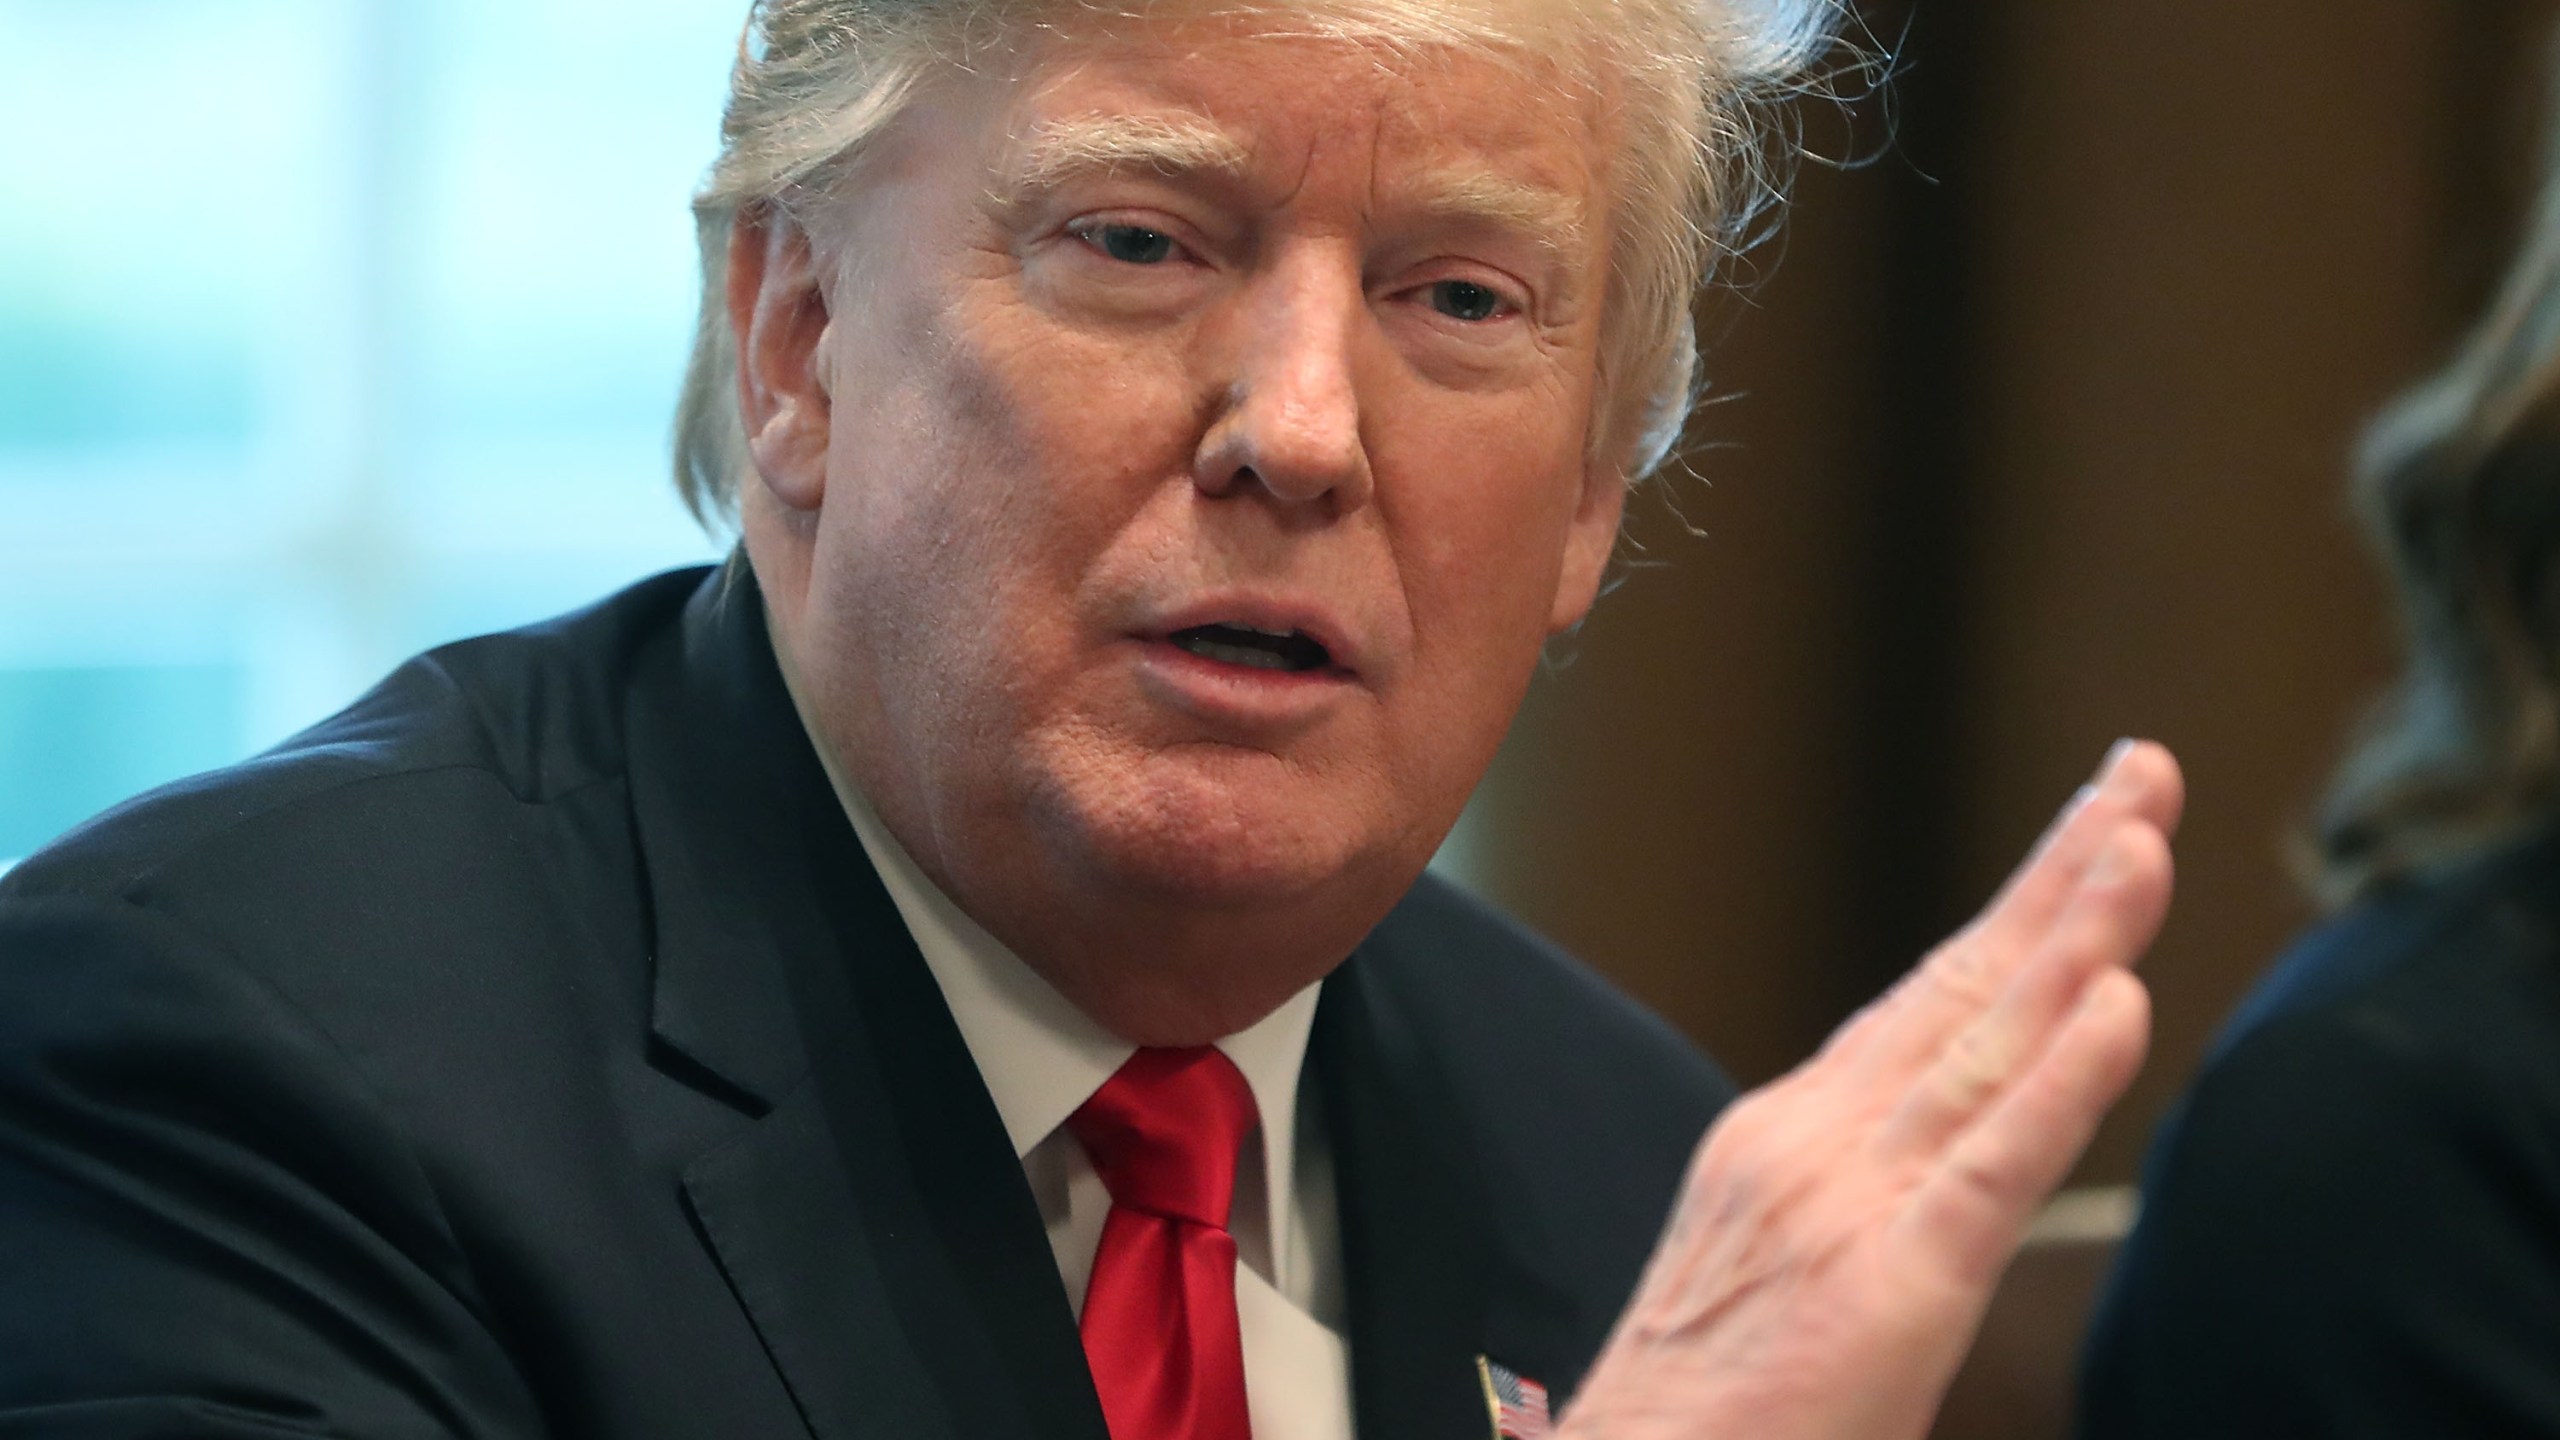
x: 329, y: 330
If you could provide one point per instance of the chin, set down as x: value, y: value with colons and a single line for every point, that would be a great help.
x: 1243, y: 831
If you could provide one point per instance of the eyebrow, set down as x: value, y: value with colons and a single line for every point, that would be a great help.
x: 1549, y: 217
x: 1067, y: 149
x: 1061, y: 151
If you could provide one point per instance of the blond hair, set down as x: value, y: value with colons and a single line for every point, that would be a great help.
x: 817, y: 79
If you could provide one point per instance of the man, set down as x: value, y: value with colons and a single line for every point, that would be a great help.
x: 964, y: 968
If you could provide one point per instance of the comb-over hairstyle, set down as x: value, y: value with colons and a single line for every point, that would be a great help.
x: 816, y: 80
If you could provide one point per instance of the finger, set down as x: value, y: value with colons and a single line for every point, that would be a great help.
x: 2120, y: 904
x: 1973, y: 1209
x: 2138, y: 781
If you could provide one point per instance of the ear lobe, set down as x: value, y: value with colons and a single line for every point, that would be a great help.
x: 778, y: 322
x: 1590, y: 539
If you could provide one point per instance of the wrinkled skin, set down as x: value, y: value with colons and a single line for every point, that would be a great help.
x: 1841, y: 1229
x: 1341, y: 380
x: 1308, y: 385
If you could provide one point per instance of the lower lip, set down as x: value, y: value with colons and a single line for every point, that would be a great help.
x: 1240, y: 695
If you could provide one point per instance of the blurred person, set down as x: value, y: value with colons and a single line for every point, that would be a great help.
x: 2351, y: 1224
x: 965, y: 967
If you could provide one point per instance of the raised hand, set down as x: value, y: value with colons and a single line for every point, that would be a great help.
x: 1842, y: 1228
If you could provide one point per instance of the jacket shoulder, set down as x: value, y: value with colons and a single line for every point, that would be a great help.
x: 2458, y: 975
x: 1576, y: 1108
x: 1503, y: 1000
x: 2347, y: 1222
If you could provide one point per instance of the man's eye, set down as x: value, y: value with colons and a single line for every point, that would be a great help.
x: 1133, y: 244
x: 1464, y: 300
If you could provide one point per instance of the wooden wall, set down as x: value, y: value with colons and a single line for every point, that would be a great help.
x: 2034, y: 434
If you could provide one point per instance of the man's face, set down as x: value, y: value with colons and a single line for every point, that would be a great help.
x: 1203, y: 465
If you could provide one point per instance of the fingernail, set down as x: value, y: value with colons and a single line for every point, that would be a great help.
x: 2114, y: 757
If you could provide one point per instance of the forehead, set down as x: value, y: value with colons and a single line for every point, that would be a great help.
x: 1512, y: 134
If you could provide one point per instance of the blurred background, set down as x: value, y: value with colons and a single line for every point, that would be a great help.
x: 330, y: 329
x: 2035, y: 433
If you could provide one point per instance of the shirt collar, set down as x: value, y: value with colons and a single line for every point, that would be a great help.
x: 1040, y: 1056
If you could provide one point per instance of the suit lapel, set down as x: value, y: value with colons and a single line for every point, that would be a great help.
x: 870, y: 1215
x: 791, y: 1232
x: 1416, y: 1224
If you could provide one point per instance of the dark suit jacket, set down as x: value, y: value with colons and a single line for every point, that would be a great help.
x: 530, y: 1050
x: 2352, y: 1227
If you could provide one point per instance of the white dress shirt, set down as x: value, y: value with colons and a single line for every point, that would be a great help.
x: 1042, y: 1058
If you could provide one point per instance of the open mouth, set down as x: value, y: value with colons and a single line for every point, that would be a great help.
x: 1261, y: 649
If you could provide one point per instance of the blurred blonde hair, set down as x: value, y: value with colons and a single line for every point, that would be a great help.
x: 816, y: 79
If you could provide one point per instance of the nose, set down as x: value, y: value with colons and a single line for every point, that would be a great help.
x: 1288, y: 423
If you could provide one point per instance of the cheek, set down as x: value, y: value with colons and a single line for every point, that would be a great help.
x: 1066, y: 438
x: 1116, y: 408
x: 999, y: 464
x: 1482, y: 522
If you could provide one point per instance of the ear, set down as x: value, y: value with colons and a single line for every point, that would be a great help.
x: 1591, y: 537
x: 778, y: 322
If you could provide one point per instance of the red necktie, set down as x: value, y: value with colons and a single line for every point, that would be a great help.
x: 1160, y: 1314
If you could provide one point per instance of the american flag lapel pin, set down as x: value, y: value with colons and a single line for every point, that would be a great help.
x: 1516, y: 1405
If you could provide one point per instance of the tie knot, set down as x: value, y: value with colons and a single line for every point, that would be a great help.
x: 1164, y: 1132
